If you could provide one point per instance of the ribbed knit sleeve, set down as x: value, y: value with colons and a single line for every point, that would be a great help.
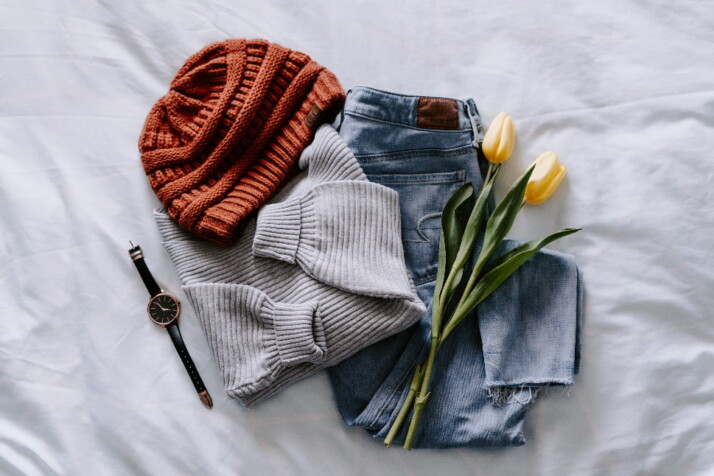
x: 344, y: 231
x: 271, y: 334
x: 345, y: 234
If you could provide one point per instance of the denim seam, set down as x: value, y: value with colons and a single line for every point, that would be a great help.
x: 402, y: 124
x: 421, y: 220
x: 408, y: 96
x: 457, y: 176
x: 415, y: 182
x: 405, y: 378
x: 414, y: 153
x: 529, y: 383
x: 390, y: 398
x: 426, y: 279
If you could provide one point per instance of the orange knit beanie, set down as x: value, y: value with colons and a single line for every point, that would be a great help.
x: 230, y: 131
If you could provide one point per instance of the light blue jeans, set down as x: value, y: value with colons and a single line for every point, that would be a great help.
x: 525, y: 335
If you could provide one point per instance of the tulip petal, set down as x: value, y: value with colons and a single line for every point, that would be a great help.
x: 551, y: 186
x: 500, y: 138
x: 545, y: 179
x: 508, y: 139
x: 490, y: 140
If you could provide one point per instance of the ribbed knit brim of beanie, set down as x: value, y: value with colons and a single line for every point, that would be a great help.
x: 229, y: 132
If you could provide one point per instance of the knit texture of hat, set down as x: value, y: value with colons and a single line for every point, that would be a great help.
x: 230, y: 130
x: 317, y: 276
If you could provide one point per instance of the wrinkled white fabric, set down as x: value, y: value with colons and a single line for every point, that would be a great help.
x: 622, y: 91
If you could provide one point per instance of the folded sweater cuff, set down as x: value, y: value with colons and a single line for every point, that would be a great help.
x: 296, y: 331
x: 345, y: 234
x: 252, y: 337
x: 282, y: 230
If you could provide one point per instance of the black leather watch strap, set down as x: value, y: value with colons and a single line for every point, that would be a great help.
x: 137, y: 256
x: 175, y: 334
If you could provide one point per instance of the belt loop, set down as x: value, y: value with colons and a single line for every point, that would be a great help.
x: 475, y: 120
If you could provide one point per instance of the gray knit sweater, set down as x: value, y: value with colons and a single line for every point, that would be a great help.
x: 318, y: 275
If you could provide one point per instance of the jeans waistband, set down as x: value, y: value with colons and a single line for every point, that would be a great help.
x: 415, y: 111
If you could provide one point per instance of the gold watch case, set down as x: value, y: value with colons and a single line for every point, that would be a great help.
x: 164, y: 309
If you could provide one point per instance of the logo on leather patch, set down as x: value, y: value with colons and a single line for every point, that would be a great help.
x: 437, y: 113
x: 314, y: 117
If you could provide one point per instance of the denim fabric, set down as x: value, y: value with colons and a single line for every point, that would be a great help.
x: 525, y: 336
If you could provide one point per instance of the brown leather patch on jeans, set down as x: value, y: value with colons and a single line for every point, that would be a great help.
x: 438, y: 113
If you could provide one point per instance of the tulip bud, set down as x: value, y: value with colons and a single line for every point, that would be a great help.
x: 546, y: 177
x: 500, y: 139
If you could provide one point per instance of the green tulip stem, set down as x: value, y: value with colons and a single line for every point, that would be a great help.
x: 491, y: 168
x: 406, y: 406
x: 480, y: 263
x: 423, y: 396
x: 459, y: 314
x: 442, y: 301
x: 478, y: 267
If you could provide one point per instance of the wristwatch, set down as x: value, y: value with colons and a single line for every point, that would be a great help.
x: 164, y: 309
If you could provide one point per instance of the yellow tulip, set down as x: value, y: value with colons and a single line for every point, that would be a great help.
x: 500, y: 139
x: 546, y: 177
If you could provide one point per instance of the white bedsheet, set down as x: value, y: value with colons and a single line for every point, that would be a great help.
x: 622, y: 90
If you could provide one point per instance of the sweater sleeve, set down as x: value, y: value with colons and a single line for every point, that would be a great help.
x: 252, y: 336
x: 345, y: 234
x: 341, y: 230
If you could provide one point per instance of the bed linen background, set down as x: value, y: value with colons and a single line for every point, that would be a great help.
x: 623, y: 91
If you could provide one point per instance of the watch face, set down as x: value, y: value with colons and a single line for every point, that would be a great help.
x: 164, y: 308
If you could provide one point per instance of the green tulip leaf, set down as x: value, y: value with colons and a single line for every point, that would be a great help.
x: 529, y: 247
x: 497, y: 227
x: 498, y: 272
x: 502, y: 218
x: 468, y: 241
x: 451, y: 227
x: 451, y: 232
